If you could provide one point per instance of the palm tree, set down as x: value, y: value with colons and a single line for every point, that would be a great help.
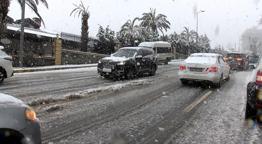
x: 190, y: 39
x: 83, y: 11
x: 4, y: 5
x: 131, y: 32
x: 154, y: 22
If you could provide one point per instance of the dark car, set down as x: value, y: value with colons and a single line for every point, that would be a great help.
x: 253, y: 61
x: 18, y: 122
x: 128, y: 62
x: 237, y: 61
x: 254, y: 95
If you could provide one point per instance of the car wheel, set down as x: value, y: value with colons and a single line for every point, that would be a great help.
x: 184, y: 82
x: 228, y: 78
x: 2, y: 76
x: 153, y: 70
x: 166, y: 62
x: 218, y: 85
x: 106, y: 76
x: 250, y: 112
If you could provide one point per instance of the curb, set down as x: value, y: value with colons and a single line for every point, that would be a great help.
x: 49, y: 69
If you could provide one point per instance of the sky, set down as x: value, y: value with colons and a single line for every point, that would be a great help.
x: 223, y: 20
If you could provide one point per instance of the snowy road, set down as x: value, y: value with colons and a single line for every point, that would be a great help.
x: 144, y: 111
x: 28, y: 86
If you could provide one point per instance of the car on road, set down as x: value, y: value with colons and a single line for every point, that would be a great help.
x: 204, y: 67
x: 237, y: 60
x: 128, y: 62
x: 18, y: 122
x: 253, y: 61
x: 162, y: 49
x: 254, y: 95
x: 6, y: 65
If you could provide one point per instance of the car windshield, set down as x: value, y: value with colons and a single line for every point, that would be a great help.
x: 131, y: 71
x: 125, y: 53
x: 253, y: 59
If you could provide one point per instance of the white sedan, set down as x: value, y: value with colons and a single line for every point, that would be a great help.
x: 206, y: 67
x: 6, y: 65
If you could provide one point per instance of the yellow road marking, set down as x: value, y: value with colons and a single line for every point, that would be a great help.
x: 198, y: 101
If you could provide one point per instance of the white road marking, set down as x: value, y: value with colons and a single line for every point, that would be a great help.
x: 198, y: 101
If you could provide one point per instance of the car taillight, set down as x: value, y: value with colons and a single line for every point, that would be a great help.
x: 213, y: 69
x: 259, y: 78
x: 182, y: 67
x: 239, y: 59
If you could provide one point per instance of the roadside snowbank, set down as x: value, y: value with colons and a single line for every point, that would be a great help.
x: 87, y: 93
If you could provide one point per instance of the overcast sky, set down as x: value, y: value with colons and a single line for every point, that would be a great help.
x: 223, y: 20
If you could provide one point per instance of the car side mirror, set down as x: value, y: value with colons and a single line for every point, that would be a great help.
x: 139, y: 56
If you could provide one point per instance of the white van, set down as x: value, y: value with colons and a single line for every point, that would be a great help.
x: 163, y: 50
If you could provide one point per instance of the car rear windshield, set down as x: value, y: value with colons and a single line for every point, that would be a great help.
x: 201, y: 59
x: 236, y: 55
x: 125, y: 53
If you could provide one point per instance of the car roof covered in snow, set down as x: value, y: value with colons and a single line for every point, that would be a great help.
x: 155, y: 44
x: 135, y: 48
x: 206, y: 54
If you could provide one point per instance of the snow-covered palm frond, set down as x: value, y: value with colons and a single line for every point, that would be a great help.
x: 32, y: 4
x: 154, y: 22
x: 80, y: 9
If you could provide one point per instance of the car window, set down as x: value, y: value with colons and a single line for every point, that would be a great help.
x: 163, y: 50
x: 125, y: 53
x: 147, y: 52
x: 140, y: 52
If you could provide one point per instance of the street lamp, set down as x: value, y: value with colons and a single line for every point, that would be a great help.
x: 201, y: 11
x: 21, y: 47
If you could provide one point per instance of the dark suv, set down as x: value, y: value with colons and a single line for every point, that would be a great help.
x: 128, y: 62
x: 254, y: 95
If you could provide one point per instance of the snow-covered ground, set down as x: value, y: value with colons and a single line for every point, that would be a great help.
x: 55, y: 66
x: 59, y: 71
x: 221, y: 119
x: 176, y: 61
x: 87, y: 92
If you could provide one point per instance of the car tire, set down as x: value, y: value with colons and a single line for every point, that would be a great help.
x: 184, y: 82
x: 250, y: 112
x: 218, y: 85
x: 228, y: 78
x: 2, y: 76
x: 166, y: 62
x: 153, y: 70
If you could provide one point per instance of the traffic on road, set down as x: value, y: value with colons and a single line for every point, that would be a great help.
x: 130, y: 72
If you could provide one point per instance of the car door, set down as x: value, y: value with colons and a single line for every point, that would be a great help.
x: 148, y: 59
x: 145, y: 59
x: 140, y: 61
x: 224, y: 66
x: 227, y: 67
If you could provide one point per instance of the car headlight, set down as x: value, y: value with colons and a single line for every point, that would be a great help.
x: 121, y: 63
x: 30, y: 114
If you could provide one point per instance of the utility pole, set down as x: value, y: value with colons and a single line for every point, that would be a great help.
x: 201, y: 11
x: 21, y: 48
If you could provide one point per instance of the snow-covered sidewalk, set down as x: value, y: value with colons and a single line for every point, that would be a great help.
x: 48, y: 68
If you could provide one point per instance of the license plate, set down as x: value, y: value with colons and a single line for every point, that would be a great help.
x: 196, y: 69
x: 107, y: 70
